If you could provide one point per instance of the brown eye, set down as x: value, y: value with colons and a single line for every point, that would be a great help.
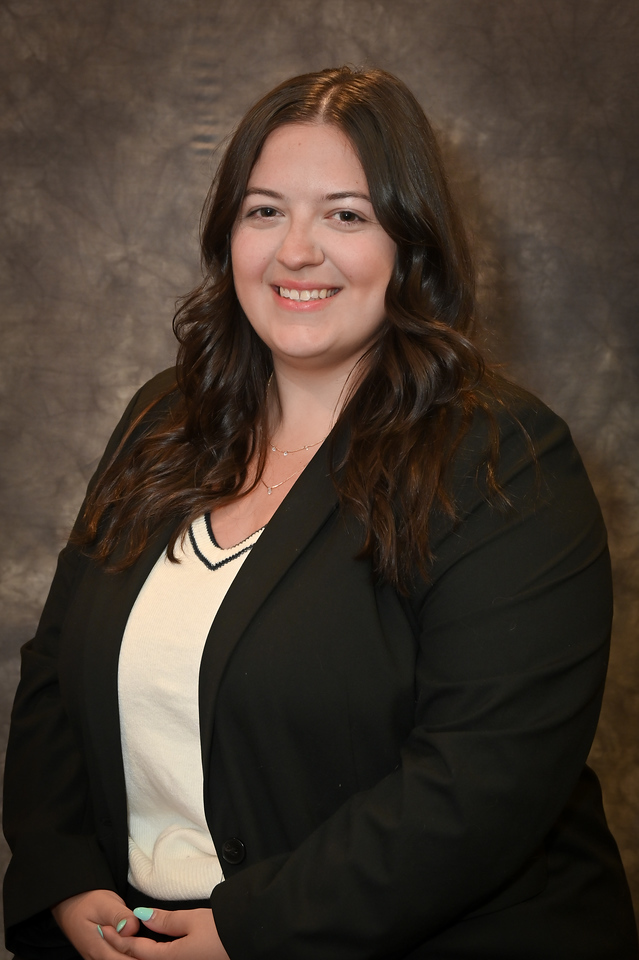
x: 347, y: 216
x: 264, y: 212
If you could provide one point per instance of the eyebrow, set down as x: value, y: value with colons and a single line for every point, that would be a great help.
x: 340, y: 195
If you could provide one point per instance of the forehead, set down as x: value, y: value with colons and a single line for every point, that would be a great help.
x: 308, y: 153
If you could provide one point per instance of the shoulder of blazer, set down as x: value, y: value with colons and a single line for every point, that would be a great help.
x: 144, y: 403
x: 527, y: 433
x: 149, y: 404
x: 162, y: 385
x: 537, y: 464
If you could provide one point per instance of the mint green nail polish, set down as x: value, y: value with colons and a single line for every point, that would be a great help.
x: 121, y: 926
x: 100, y: 931
x: 143, y: 913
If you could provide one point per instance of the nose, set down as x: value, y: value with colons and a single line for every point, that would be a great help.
x: 299, y: 247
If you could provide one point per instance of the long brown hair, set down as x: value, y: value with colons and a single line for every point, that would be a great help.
x: 423, y: 382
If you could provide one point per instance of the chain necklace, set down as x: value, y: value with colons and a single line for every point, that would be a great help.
x: 285, y: 453
x: 307, y: 446
x: 270, y: 487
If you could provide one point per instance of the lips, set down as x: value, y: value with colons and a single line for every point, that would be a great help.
x: 318, y: 293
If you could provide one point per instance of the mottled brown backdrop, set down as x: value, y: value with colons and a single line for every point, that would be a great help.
x: 110, y: 112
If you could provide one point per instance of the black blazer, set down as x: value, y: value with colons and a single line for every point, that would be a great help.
x: 384, y: 777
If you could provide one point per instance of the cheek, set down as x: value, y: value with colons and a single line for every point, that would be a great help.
x: 370, y: 263
x: 247, y: 258
x: 372, y: 271
x: 386, y: 256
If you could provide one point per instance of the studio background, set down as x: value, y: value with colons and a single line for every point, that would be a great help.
x: 110, y: 113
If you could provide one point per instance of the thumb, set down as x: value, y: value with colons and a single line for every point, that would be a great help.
x: 171, y: 922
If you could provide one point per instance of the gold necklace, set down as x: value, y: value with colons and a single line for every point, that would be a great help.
x: 273, y: 486
x: 285, y: 453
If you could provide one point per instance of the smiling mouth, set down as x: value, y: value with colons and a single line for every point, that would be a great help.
x: 321, y: 293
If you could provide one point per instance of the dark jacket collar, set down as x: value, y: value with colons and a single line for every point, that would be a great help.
x: 310, y: 503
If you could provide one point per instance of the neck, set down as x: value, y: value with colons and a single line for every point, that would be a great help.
x: 309, y: 404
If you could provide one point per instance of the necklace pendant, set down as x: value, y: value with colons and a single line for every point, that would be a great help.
x: 286, y: 453
x: 269, y: 490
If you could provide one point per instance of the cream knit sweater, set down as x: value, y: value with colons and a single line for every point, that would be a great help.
x: 171, y: 853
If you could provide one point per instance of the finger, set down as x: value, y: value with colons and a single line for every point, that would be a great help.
x: 112, y: 911
x: 122, y: 921
x: 174, y: 923
x: 116, y: 941
x: 110, y: 945
x: 144, y: 949
x: 113, y: 939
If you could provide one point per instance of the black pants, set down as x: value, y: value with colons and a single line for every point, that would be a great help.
x: 133, y: 898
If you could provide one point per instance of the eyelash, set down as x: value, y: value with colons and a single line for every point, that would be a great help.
x: 259, y: 212
x: 351, y: 213
x: 269, y: 213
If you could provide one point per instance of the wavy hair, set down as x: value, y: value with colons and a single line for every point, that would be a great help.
x: 422, y: 382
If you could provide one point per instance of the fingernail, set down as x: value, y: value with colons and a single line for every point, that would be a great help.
x: 143, y: 913
x: 121, y: 926
x: 100, y: 931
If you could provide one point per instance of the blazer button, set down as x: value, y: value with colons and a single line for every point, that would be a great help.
x: 233, y: 850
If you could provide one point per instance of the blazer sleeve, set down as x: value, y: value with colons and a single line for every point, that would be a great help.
x: 513, y: 632
x: 47, y: 814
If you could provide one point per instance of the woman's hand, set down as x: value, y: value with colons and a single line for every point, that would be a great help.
x: 92, y: 922
x: 198, y: 937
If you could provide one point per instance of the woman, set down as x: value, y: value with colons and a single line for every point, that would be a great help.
x: 365, y: 695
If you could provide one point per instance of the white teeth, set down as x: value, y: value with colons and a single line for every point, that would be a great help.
x: 307, y: 294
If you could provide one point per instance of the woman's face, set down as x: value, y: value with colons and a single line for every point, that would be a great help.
x: 310, y: 261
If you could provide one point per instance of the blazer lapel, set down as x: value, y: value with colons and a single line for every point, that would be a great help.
x: 311, y: 501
